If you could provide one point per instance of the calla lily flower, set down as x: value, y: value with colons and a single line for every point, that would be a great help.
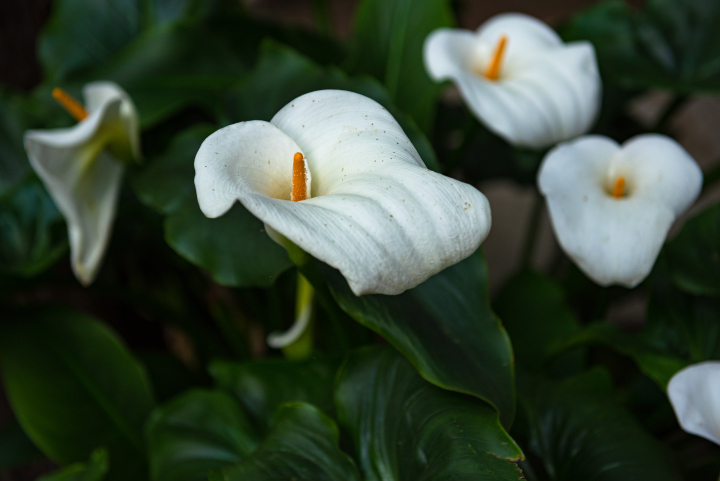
x: 695, y: 396
x: 612, y: 205
x: 519, y: 79
x: 364, y: 201
x: 82, y: 167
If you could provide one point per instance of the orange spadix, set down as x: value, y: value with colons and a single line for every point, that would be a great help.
x: 299, y: 178
x: 619, y: 188
x: 72, y: 106
x: 495, y: 65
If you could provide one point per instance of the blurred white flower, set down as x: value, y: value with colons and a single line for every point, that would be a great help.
x: 82, y: 167
x: 519, y: 79
x: 378, y: 214
x: 611, y: 206
x: 695, y: 396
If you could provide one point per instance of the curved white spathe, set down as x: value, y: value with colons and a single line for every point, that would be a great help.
x: 547, y: 91
x: 616, y: 241
x: 82, y: 167
x: 378, y: 214
x: 695, y: 396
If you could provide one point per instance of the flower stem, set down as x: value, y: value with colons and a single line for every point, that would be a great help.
x: 532, y: 232
x: 301, y: 347
x: 322, y: 17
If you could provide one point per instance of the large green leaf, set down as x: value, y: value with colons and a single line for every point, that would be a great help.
x: 388, y: 44
x: 32, y: 231
x: 445, y: 328
x: 262, y: 386
x: 282, y: 74
x: 233, y: 248
x: 302, y: 446
x: 671, y: 44
x: 693, y: 257
x: 579, y: 432
x: 73, y: 387
x: 537, y: 318
x: 196, y: 432
x: 404, y: 428
x: 94, y: 469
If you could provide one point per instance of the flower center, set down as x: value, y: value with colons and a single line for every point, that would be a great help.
x: 618, y: 191
x: 299, y: 179
x: 72, y: 106
x: 495, y: 66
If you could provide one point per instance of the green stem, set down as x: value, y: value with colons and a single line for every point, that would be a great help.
x: 322, y: 17
x: 302, y: 347
x: 671, y: 110
x: 397, y: 47
x: 532, y: 232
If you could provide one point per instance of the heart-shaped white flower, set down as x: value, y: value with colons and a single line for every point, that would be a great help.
x: 695, y: 396
x: 519, y: 79
x: 611, y: 206
x: 377, y: 213
x: 82, y: 168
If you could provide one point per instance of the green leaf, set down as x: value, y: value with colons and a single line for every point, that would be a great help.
x: 197, y: 432
x: 32, y: 231
x: 579, y: 432
x: 658, y: 365
x: 302, y: 446
x: 73, y: 386
x: 404, y: 428
x: 282, y: 74
x: 536, y: 316
x: 693, y: 257
x: 233, y: 248
x: 15, y: 447
x: 672, y: 44
x: 94, y: 470
x: 388, y: 44
x: 444, y: 327
x: 262, y: 386
x: 84, y: 33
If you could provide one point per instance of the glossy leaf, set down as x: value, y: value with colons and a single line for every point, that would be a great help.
x: 33, y: 235
x: 73, y: 387
x: 404, y: 428
x: 196, y: 432
x: 283, y: 74
x: 388, y: 44
x: 262, y: 386
x: 233, y: 248
x: 671, y: 44
x: 445, y: 328
x: 537, y: 318
x: 693, y: 257
x: 579, y: 432
x: 94, y: 469
x: 302, y: 446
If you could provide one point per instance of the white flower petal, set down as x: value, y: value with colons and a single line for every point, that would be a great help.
x: 695, y: 396
x: 84, y: 181
x: 547, y: 92
x: 97, y: 94
x: 617, y: 240
x: 380, y: 217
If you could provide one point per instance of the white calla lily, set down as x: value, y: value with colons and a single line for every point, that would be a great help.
x: 611, y: 206
x: 82, y: 168
x: 377, y: 213
x: 694, y: 394
x: 519, y: 79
